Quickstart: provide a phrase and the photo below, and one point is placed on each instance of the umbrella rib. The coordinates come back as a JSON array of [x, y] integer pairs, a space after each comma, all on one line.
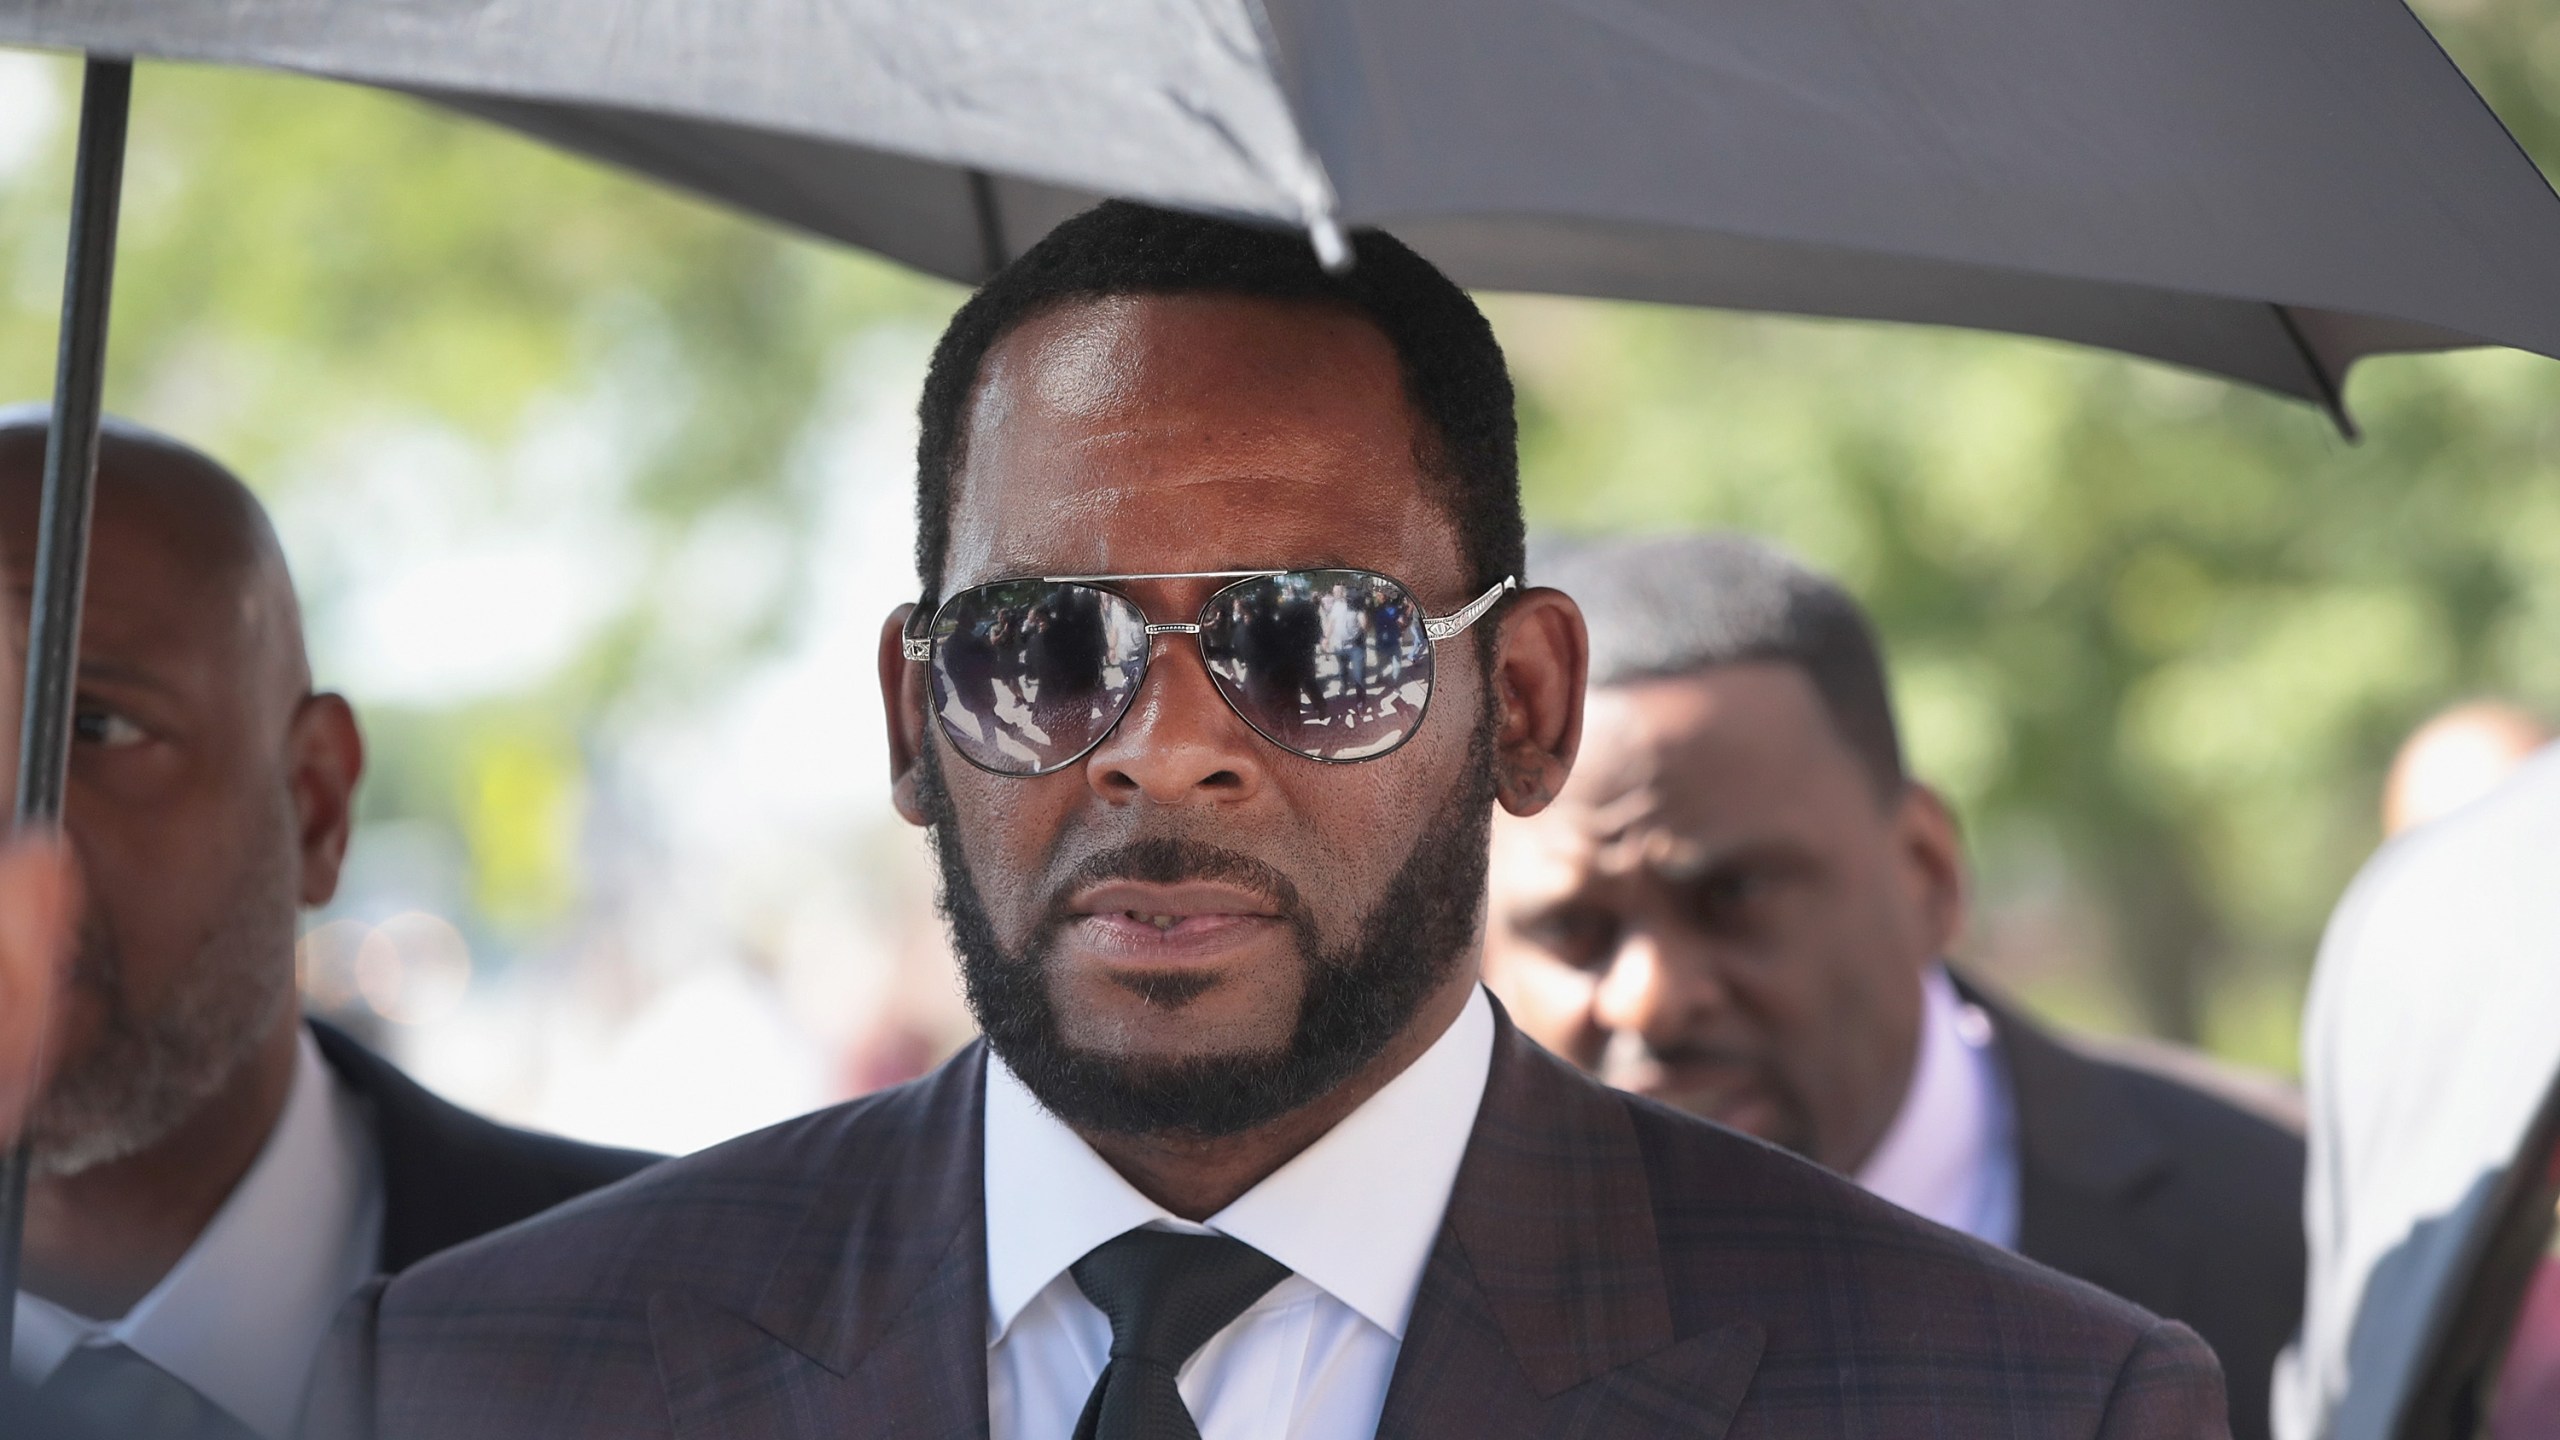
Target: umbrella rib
[[62, 545], [992, 251], [2332, 398]]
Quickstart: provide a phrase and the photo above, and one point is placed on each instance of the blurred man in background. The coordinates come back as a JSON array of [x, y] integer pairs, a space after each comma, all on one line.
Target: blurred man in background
[[2457, 756], [213, 1177], [1741, 905]]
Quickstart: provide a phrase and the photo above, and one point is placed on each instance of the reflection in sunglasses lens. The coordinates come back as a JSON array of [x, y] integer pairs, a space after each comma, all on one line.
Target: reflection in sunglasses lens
[[1332, 664], [1027, 675]]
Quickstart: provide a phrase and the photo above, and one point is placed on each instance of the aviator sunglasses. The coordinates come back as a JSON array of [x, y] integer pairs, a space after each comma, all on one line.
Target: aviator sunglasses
[[1335, 665]]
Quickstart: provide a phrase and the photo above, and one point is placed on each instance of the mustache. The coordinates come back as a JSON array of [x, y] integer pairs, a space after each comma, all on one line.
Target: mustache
[[1170, 861]]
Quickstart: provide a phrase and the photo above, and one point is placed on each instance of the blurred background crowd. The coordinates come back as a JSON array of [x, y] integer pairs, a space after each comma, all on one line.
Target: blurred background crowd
[[596, 498]]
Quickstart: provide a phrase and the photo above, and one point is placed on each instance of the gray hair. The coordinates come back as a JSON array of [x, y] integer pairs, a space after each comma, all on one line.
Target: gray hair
[[1680, 604]]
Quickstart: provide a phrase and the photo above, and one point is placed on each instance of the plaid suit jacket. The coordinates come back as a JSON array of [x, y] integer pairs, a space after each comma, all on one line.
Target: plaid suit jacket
[[1609, 1269]]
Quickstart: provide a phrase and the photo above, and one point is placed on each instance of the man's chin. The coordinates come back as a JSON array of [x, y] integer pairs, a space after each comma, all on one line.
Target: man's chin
[[80, 1126], [1197, 1095], [1178, 1016], [1750, 1111]]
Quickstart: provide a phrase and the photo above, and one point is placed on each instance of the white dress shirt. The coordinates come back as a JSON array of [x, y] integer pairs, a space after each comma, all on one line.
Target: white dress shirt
[[241, 1316], [1354, 1216], [1951, 1153]]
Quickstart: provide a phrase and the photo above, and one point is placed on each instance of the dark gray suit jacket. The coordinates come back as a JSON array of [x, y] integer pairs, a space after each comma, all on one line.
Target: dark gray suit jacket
[[2147, 1184], [449, 1175], [1609, 1269]]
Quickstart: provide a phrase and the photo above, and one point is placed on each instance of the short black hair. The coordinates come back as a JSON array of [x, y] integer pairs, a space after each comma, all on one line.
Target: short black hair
[[1677, 605], [1454, 376]]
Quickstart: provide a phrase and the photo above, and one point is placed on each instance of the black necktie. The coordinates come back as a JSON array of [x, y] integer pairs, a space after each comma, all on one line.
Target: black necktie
[[117, 1392], [1166, 1295]]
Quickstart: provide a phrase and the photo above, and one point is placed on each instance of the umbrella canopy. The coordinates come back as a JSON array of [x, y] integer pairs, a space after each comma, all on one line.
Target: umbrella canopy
[[2264, 189]]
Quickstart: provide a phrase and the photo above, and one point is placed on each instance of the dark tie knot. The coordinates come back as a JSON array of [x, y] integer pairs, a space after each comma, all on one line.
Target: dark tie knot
[[1167, 1293]]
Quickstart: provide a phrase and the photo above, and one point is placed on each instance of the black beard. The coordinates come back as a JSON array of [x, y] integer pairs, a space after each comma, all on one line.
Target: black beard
[[1357, 999]]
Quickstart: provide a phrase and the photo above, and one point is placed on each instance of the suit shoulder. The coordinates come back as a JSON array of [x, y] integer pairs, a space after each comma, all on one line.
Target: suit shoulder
[[1933, 1330], [2232, 1135], [1735, 1212], [575, 1164], [711, 1221], [450, 1175], [2197, 1092]]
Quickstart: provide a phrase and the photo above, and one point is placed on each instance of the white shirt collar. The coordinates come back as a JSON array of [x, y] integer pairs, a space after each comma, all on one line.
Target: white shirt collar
[[1950, 1153], [1356, 1213], [243, 1312]]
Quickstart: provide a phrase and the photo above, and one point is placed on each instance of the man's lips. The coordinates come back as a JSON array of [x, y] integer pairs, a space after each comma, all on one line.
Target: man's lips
[[1157, 921]]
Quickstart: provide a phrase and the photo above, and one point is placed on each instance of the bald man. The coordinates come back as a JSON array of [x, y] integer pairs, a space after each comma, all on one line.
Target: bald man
[[213, 1174], [2457, 756]]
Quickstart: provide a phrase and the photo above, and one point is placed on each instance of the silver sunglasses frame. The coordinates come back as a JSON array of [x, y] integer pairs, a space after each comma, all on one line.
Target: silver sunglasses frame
[[919, 647]]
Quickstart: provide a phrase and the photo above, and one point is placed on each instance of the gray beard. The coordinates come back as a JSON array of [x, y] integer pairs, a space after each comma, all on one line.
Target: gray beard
[[144, 1074]]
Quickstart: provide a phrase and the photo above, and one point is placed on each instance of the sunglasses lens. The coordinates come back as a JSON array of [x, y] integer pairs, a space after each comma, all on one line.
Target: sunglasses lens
[[1028, 675], [1332, 664]]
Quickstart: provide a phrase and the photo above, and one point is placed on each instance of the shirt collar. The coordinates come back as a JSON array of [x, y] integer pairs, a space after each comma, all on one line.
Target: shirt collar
[[243, 1312], [1941, 1150], [1356, 1213]]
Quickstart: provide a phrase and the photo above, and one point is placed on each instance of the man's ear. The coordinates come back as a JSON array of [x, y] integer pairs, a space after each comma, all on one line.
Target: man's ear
[[1933, 857], [326, 753], [903, 696], [1539, 665]]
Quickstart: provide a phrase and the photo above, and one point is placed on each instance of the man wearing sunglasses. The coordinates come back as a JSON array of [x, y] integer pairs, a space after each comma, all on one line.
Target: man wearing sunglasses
[[1221, 666]]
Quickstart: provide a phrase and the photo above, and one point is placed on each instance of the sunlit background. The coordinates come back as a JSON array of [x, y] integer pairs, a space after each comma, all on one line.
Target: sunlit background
[[597, 497]]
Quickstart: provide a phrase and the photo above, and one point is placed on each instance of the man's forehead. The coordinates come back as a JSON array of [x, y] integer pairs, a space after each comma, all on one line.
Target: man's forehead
[[128, 543], [1136, 356], [172, 566], [1140, 433], [1696, 755], [1629, 831], [178, 500]]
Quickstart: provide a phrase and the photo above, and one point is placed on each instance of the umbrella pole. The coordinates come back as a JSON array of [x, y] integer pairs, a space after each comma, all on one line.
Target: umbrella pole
[[62, 546]]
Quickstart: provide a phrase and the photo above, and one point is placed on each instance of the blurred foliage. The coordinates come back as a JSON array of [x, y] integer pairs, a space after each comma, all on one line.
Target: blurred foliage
[[2159, 630], [310, 275], [520, 819], [2156, 636]]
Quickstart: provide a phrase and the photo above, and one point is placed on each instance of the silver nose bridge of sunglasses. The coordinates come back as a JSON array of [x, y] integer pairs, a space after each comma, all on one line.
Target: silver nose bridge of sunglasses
[[1439, 627]]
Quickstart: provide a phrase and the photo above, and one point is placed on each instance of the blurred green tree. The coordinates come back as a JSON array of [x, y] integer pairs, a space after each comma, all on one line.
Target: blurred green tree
[[312, 274], [2154, 635], [2157, 636]]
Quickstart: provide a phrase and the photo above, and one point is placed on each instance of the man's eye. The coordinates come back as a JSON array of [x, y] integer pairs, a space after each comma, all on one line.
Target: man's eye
[[1725, 898], [105, 728], [1584, 938]]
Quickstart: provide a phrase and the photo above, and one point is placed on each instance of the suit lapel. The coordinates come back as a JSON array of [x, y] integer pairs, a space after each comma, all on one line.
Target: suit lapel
[[874, 1323], [1543, 1310], [2085, 1152]]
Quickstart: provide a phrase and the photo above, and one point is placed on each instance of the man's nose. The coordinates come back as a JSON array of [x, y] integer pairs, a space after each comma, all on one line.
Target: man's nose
[[1180, 743], [1657, 988]]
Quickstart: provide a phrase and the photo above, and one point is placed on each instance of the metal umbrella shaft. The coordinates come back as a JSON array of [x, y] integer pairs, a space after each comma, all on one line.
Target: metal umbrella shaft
[[62, 547]]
